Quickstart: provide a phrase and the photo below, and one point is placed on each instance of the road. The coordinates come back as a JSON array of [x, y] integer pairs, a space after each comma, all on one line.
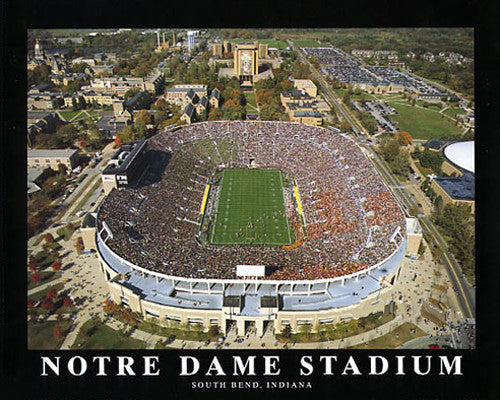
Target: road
[[85, 185], [465, 295], [330, 96]]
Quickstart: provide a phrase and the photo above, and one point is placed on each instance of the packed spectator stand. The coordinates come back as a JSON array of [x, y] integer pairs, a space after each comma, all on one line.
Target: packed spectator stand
[[350, 215]]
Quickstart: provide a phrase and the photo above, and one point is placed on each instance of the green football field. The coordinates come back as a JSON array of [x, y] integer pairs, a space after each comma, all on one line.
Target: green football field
[[251, 209]]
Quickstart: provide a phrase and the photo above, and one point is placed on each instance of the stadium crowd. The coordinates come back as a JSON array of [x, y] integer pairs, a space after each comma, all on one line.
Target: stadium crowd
[[349, 213]]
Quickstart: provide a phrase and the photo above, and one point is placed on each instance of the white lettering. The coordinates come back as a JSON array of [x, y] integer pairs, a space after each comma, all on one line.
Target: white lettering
[[102, 366], [54, 366], [328, 364], [125, 363], [238, 365], [444, 362], [150, 365], [305, 362], [351, 365], [215, 365], [416, 365], [71, 365], [184, 365], [400, 370], [270, 365], [373, 365]]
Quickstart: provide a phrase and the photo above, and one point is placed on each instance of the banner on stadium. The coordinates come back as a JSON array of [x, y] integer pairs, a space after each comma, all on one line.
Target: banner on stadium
[[250, 270]]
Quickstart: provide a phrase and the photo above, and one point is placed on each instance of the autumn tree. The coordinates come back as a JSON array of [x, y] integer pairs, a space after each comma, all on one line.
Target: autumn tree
[[57, 331], [143, 116], [31, 303], [32, 265], [118, 141], [404, 138], [67, 302], [161, 105], [35, 277], [79, 245], [52, 293], [56, 266], [47, 303], [49, 238]]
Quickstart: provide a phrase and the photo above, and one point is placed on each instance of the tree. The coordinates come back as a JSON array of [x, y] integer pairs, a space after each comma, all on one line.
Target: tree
[[390, 149], [287, 332], [62, 169], [130, 93], [67, 134], [401, 164], [306, 329], [404, 138], [118, 141], [143, 116], [56, 266], [52, 293], [161, 105], [49, 238], [32, 265], [214, 331], [47, 303], [67, 302], [82, 104], [431, 159], [31, 303], [57, 332], [79, 245]]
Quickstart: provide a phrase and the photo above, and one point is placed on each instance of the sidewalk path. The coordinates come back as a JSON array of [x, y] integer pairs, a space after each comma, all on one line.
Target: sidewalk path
[[44, 286]]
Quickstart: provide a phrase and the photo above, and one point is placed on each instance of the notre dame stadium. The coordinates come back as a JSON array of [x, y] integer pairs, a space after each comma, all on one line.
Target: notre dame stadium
[[249, 224]]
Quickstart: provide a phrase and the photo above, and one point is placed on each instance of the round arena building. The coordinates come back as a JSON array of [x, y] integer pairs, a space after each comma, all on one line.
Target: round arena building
[[250, 224]]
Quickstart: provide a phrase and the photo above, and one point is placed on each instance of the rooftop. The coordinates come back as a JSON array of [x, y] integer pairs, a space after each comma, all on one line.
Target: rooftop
[[46, 153], [462, 188], [461, 154]]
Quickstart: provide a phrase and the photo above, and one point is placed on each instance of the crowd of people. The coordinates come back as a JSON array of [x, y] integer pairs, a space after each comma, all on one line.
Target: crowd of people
[[349, 213]]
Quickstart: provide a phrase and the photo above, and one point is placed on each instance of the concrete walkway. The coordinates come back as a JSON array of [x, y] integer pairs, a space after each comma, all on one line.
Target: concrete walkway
[[44, 286]]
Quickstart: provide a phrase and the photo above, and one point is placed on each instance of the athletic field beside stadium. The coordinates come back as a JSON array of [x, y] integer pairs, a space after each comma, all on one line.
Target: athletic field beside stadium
[[251, 209]]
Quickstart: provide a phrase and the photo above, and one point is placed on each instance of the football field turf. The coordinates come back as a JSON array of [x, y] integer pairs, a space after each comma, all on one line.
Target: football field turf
[[251, 209]]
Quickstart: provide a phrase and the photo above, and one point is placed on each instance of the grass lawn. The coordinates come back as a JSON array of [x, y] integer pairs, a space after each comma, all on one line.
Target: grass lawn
[[45, 277], [367, 96], [42, 293], [430, 106], [95, 335], [41, 335], [452, 112], [68, 114], [251, 209], [308, 43], [66, 231], [279, 44], [44, 260], [394, 339], [38, 240], [251, 106], [421, 123]]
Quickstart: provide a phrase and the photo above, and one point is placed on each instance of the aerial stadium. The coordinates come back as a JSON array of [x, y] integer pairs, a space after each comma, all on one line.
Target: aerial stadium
[[249, 224]]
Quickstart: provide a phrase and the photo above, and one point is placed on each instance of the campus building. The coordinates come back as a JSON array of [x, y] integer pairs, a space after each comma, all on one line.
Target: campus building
[[246, 62], [53, 157], [126, 166]]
